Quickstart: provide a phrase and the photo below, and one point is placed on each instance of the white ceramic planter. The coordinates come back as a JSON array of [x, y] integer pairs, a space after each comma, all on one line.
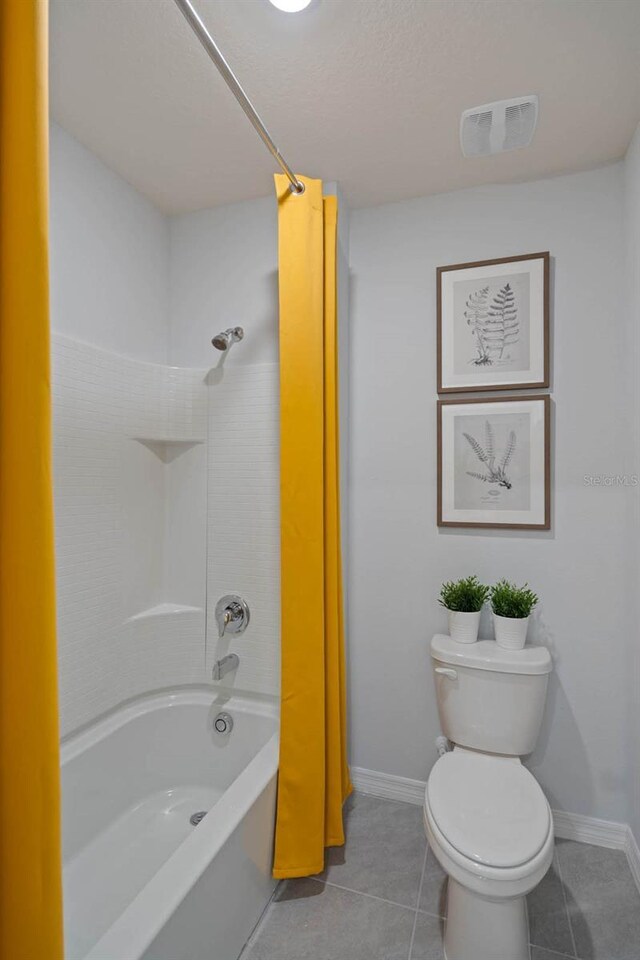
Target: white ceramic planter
[[510, 632], [463, 627]]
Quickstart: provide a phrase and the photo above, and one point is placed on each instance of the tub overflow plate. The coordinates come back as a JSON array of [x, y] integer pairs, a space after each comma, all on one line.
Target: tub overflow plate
[[223, 723], [196, 818]]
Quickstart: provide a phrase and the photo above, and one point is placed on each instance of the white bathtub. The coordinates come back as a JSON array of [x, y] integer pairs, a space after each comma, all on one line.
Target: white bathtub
[[139, 880]]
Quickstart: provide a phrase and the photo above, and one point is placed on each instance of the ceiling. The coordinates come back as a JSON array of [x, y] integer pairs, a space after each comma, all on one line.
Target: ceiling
[[365, 92]]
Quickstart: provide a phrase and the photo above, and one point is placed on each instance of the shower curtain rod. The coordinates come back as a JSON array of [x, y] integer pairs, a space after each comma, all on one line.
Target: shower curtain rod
[[233, 83]]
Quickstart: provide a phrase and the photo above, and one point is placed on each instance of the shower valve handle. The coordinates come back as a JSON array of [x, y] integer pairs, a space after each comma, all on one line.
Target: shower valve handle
[[226, 620], [232, 615]]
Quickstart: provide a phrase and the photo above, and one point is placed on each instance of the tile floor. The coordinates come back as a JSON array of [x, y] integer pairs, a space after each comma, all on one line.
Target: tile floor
[[382, 898]]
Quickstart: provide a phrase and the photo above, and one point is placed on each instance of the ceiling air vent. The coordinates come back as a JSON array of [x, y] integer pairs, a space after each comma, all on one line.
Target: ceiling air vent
[[500, 126]]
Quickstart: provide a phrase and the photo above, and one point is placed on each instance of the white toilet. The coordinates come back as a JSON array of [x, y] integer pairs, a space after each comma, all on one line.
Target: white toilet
[[487, 820]]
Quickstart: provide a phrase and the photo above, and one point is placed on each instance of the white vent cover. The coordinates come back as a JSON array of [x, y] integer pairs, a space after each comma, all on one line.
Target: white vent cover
[[496, 127]]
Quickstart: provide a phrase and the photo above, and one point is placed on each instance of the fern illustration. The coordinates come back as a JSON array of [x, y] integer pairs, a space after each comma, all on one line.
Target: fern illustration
[[495, 473], [511, 446], [477, 449], [501, 327], [488, 439], [479, 476], [476, 316]]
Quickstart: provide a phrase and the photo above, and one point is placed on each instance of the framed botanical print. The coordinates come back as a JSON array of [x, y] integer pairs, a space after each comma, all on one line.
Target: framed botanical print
[[493, 324], [494, 463]]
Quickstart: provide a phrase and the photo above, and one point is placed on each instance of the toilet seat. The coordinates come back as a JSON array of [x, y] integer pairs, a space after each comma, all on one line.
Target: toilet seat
[[490, 809]]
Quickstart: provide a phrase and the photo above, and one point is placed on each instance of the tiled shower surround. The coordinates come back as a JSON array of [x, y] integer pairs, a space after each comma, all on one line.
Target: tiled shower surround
[[244, 518], [146, 458]]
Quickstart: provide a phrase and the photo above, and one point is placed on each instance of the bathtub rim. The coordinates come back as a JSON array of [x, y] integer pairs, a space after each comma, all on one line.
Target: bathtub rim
[[89, 735], [143, 919]]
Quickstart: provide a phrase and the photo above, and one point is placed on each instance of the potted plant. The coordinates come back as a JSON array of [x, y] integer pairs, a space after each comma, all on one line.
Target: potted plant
[[463, 601], [511, 607]]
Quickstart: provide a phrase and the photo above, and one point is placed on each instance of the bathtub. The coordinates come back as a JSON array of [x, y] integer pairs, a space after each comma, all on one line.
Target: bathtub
[[140, 881]]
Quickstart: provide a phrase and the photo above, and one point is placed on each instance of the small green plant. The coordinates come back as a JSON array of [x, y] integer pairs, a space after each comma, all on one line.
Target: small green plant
[[507, 600], [463, 596]]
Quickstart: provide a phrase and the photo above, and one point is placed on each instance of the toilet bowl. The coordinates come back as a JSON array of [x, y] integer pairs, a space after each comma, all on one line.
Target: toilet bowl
[[490, 827], [487, 820]]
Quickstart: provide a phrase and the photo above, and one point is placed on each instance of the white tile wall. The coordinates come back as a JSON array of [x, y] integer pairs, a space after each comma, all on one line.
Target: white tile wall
[[110, 527], [165, 402], [244, 518], [127, 539]]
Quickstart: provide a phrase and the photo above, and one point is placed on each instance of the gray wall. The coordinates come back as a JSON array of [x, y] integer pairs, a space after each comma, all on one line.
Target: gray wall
[[109, 256], [224, 273], [583, 568], [632, 231]]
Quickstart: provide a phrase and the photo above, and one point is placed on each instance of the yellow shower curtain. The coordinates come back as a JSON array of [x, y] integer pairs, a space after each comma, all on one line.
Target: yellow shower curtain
[[313, 779], [30, 879]]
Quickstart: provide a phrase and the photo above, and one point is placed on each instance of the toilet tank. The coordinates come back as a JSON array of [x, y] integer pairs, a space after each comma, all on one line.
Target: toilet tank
[[489, 698]]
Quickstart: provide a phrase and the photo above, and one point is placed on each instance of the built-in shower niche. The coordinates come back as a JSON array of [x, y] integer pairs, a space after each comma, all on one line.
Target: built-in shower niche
[[167, 449]]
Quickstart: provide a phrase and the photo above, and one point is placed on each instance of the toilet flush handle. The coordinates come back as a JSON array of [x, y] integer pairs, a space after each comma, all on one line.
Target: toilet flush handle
[[447, 672]]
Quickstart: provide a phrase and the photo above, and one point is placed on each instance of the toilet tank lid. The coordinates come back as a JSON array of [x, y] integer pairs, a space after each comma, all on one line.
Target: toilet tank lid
[[487, 655]]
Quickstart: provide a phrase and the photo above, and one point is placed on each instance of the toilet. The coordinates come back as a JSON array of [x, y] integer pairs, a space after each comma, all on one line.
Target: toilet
[[486, 818]]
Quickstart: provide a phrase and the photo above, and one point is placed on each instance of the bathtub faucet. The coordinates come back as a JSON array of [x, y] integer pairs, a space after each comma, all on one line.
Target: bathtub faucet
[[228, 663]]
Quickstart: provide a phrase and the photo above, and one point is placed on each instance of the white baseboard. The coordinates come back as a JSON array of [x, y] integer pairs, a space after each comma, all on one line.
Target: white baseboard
[[568, 826], [601, 833], [632, 851], [387, 786]]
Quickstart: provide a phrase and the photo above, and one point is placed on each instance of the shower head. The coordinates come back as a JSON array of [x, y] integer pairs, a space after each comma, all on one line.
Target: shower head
[[223, 341]]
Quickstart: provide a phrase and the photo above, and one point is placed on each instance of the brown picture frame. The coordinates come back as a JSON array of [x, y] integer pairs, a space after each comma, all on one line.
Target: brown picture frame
[[546, 400], [481, 387]]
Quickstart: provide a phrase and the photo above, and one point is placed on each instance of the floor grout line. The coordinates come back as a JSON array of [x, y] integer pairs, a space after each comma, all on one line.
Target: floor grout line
[[566, 904], [260, 922], [564, 956], [362, 893], [415, 919]]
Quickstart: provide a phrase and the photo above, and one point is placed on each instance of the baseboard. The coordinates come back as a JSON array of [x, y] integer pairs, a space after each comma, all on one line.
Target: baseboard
[[568, 826], [388, 786], [633, 856], [601, 833]]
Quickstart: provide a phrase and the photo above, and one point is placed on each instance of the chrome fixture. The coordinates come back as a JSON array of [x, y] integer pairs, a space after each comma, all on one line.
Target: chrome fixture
[[223, 341], [232, 615], [197, 818], [233, 83], [222, 667], [223, 723]]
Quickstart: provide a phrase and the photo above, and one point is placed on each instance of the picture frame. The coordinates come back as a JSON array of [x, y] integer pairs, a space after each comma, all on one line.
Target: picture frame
[[493, 324], [494, 462]]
